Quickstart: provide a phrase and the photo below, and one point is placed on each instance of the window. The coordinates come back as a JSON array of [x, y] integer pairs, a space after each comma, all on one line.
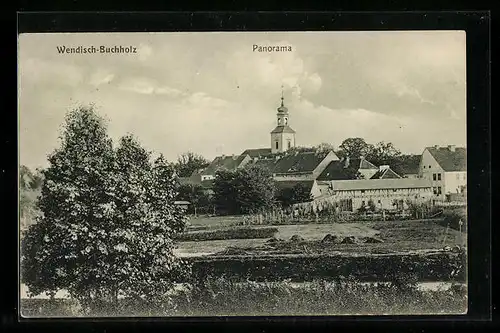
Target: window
[[439, 190], [434, 190], [289, 144], [363, 191], [439, 176], [276, 144], [379, 201], [429, 166], [424, 166], [433, 176]]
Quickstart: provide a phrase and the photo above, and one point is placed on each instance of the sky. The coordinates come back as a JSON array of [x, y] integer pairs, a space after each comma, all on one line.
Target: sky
[[211, 94]]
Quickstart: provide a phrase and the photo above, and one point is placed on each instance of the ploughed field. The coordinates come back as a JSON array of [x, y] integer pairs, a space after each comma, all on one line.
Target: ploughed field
[[219, 236]]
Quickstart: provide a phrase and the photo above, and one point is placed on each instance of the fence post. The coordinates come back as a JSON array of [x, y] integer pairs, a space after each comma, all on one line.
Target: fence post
[[445, 234]]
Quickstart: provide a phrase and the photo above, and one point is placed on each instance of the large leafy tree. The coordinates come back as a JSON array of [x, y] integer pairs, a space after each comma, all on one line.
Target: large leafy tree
[[244, 191], [189, 162], [288, 196], [354, 148], [383, 152], [30, 184], [108, 217]]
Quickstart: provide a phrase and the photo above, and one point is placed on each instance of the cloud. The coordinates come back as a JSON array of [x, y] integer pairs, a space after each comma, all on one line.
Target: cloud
[[266, 72], [101, 77], [211, 94], [147, 86]]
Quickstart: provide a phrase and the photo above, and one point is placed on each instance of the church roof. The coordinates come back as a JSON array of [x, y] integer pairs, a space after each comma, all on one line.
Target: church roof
[[283, 129], [450, 160], [257, 152]]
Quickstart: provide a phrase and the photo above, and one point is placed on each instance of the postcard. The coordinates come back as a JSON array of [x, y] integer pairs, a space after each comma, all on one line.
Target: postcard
[[182, 174]]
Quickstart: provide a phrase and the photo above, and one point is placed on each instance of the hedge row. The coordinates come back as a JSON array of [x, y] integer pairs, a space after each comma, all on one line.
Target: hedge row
[[233, 233], [440, 266], [219, 296]]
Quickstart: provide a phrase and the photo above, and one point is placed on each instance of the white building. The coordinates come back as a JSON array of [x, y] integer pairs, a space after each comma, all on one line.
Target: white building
[[385, 194], [446, 168]]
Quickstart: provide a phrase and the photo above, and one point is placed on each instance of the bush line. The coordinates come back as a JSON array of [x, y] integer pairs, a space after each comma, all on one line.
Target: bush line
[[234, 233]]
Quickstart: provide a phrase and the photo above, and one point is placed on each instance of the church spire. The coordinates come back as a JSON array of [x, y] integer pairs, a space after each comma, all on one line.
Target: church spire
[[282, 95]]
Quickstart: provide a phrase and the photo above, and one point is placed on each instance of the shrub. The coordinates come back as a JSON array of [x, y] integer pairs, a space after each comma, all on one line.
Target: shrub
[[234, 233], [441, 266]]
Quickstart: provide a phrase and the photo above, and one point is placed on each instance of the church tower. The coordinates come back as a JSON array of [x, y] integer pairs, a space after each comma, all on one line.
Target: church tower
[[283, 136]]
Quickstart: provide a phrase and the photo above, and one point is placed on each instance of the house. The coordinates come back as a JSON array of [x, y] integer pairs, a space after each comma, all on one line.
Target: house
[[304, 165], [385, 172], [446, 168], [310, 185], [224, 162], [384, 194], [347, 168]]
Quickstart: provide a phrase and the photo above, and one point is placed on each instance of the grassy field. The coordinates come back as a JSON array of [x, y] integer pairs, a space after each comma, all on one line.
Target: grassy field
[[397, 236]]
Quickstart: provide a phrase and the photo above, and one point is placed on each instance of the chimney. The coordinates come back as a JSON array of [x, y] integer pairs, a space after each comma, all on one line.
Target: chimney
[[451, 148], [346, 163], [383, 167], [436, 146]]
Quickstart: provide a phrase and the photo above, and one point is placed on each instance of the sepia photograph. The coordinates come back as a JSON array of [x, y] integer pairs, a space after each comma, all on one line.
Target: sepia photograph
[[188, 174]]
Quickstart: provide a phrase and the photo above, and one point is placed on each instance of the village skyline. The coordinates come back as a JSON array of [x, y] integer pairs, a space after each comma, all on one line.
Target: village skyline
[[211, 94]]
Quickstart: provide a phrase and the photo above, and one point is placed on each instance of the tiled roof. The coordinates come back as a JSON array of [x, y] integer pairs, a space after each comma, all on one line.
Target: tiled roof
[[297, 163], [257, 152], [226, 162], [267, 163], [376, 184], [450, 160], [385, 174], [409, 164], [300, 162], [365, 164], [336, 169], [283, 129]]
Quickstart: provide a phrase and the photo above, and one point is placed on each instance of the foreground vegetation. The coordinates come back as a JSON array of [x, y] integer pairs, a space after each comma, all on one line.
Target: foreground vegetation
[[432, 266], [219, 296]]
